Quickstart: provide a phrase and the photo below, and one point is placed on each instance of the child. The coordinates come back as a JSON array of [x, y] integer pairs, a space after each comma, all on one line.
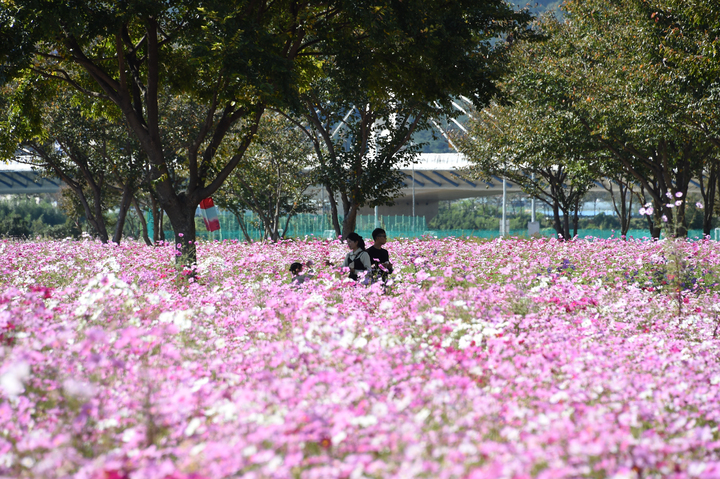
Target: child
[[295, 270]]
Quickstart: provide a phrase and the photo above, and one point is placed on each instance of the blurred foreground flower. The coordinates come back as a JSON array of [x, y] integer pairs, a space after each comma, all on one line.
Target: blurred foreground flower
[[13, 379]]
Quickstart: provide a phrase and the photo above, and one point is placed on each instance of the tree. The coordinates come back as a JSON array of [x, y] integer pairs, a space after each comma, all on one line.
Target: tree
[[622, 203], [361, 120], [534, 149], [645, 124], [233, 59], [32, 216], [476, 214], [688, 41], [272, 178], [359, 149], [93, 156], [599, 80]]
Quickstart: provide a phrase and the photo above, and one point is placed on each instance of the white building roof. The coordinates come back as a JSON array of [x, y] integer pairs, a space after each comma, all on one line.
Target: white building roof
[[440, 161], [14, 166]]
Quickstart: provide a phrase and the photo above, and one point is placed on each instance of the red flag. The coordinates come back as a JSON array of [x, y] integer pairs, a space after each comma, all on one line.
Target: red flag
[[210, 214]]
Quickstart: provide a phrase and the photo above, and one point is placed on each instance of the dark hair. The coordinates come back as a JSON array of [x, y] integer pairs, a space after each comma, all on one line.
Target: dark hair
[[356, 237], [377, 232], [295, 268]]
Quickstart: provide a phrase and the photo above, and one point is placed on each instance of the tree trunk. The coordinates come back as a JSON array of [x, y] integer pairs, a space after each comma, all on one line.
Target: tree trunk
[[624, 211], [157, 218], [98, 217], [350, 220], [182, 219], [654, 231], [656, 223], [680, 230], [557, 225], [575, 216], [241, 222], [653, 225], [287, 224], [708, 195], [94, 219], [626, 201], [161, 224], [125, 202], [143, 223], [97, 222], [334, 212]]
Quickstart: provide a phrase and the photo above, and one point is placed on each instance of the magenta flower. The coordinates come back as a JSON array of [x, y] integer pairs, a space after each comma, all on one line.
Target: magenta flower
[[515, 358]]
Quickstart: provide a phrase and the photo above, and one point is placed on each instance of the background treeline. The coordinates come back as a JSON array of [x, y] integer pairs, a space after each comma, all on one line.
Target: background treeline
[[53, 216], [28, 217], [143, 107], [620, 93], [479, 214]]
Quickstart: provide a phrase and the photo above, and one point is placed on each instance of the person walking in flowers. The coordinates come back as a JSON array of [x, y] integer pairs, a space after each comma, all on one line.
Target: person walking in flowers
[[358, 258], [380, 258]]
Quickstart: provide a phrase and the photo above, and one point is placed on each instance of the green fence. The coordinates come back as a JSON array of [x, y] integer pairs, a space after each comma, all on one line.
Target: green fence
[[397, 226], [550, 233], [311, 225]]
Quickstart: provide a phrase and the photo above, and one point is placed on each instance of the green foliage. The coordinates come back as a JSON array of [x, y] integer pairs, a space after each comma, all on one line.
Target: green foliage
[[600, 97], [272, 179], [476, 215], [533, 149], [28, 218], [380, 103], [368, 149], [91, 151], [233, 60]]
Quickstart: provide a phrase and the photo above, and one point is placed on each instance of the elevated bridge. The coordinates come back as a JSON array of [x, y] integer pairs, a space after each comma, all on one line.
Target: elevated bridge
[[20, 179], [435, 177]]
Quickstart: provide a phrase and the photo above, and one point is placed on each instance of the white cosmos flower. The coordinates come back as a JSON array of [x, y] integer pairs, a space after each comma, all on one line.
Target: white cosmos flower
[[13, 379]]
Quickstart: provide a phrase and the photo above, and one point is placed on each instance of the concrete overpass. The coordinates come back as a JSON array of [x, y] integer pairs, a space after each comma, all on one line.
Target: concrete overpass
[[434, 178], [20, 179]]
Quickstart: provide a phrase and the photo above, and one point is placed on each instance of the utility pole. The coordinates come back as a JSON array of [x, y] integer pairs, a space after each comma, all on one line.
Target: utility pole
[[413, 198], [503, 231]]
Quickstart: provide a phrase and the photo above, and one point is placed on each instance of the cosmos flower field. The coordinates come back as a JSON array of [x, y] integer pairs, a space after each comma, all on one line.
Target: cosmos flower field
[[507, 358]]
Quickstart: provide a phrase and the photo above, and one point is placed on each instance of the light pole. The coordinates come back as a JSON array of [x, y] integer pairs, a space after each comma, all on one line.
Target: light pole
[[503, 233], [532, 204], [413, 198]]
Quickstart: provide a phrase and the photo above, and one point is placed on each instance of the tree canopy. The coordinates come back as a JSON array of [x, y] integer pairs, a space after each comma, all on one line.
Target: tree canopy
[[231, 60], [602, 96]]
